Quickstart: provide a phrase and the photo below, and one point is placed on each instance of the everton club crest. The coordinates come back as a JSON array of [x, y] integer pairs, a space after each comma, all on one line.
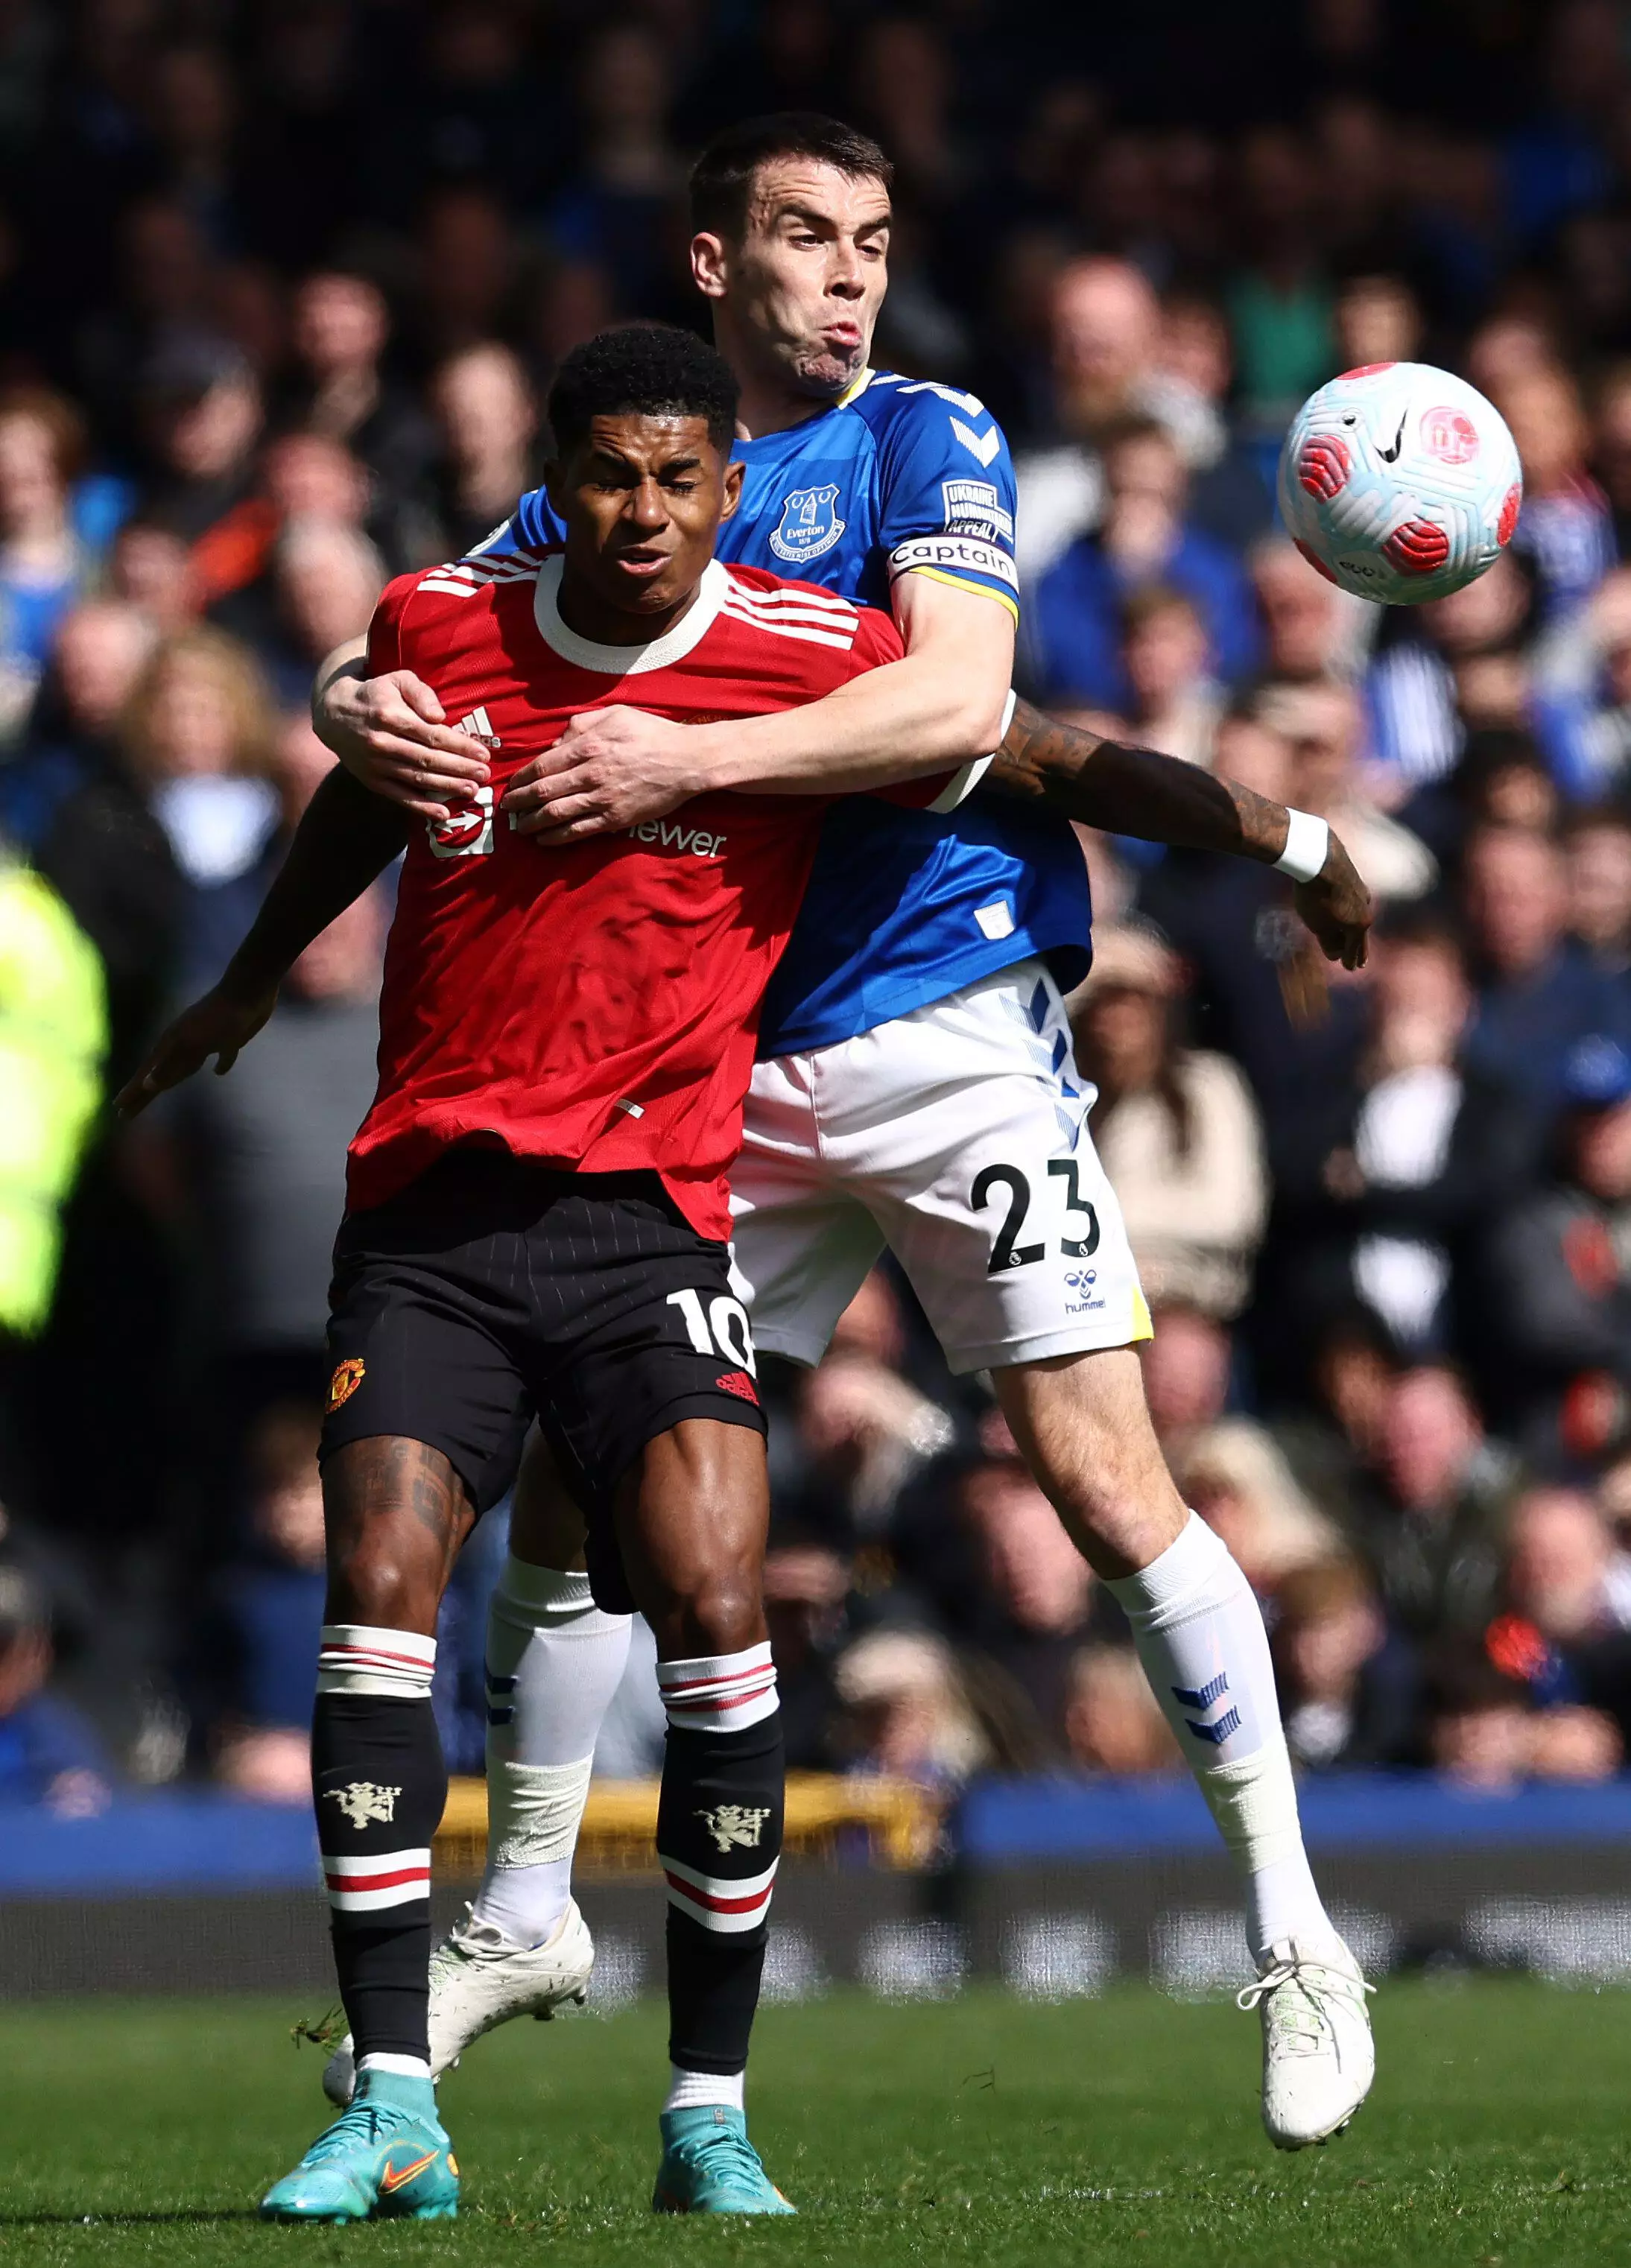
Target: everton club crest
[[809, 525]]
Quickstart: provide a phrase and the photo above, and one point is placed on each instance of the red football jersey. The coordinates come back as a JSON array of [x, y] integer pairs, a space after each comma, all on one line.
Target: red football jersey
[[594, 1006]]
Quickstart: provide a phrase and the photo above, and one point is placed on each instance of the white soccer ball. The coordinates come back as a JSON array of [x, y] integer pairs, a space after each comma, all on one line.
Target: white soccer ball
[[1399, 481]]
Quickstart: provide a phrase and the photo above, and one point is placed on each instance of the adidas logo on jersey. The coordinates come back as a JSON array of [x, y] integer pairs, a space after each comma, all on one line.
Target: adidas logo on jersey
[[467, 831]]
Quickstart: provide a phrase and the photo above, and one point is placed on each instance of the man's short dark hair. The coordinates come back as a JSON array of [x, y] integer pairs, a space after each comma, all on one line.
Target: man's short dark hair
[[643, 370], [721, 183]]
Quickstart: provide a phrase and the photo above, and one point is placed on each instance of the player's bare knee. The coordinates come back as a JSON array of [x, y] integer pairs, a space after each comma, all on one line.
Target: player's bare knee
[[718, 1611]]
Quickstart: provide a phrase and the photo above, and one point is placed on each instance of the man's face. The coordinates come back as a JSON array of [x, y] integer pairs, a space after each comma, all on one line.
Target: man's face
[[809, 275], [642, 498]]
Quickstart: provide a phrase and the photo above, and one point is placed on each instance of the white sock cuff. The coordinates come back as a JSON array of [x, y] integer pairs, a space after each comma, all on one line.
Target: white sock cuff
[[1195, 1573], [720, 1692], [403, 2066], [539, 1591], [704, 2090], [359, 1658], [534, 1812]]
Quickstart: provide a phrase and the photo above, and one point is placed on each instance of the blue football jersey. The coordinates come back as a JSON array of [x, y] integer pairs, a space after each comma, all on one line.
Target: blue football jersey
[[903, 907]]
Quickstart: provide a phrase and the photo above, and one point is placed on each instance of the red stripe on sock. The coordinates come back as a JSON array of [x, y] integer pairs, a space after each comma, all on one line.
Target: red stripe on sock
[[379, 1882], [713, 1905]]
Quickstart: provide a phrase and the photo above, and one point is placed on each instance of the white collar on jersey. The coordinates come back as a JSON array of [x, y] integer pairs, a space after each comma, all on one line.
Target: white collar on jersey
[[627, 660]]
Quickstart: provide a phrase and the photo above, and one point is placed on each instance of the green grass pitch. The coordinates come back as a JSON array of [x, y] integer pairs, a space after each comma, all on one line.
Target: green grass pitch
[[1117, 2131]]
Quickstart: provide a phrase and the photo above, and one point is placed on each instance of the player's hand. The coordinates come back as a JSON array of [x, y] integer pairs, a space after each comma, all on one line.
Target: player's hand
[[611, 769], [219, 1025], [1336, 907], [392, 733]]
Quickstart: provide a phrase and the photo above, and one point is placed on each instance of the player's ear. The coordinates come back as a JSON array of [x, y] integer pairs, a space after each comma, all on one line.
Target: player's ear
[[709, 262], [734, 475]]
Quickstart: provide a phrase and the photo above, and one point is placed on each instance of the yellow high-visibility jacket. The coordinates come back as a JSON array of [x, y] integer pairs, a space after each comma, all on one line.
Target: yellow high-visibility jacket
[[53, 1038]]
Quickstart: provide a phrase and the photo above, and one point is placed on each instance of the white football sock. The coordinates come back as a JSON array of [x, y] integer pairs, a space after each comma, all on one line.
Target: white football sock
[[1199, 1635], [691, 2090], [554, 1661]]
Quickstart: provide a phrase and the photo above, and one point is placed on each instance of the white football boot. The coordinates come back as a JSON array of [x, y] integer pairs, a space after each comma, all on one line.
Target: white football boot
[[1318, 2057], [479, 1979]]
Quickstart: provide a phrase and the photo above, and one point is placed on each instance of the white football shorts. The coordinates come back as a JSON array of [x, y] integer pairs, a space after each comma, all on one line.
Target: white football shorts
[[957, 1137]]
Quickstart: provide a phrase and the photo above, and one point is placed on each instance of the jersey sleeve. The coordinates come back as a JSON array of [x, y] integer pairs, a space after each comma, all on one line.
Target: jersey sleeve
[[946, 508], [876, 642], [385, 630], [533, 525]]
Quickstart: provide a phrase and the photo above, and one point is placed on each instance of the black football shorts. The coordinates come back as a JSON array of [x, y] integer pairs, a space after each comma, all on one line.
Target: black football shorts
[[491, 1291]]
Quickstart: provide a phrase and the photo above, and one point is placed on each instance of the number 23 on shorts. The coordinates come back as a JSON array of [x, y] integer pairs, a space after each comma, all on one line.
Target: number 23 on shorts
[[1080, 1236]]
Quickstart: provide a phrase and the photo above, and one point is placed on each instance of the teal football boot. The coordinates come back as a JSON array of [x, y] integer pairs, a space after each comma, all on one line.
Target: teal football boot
[[386, 2158], [710, 2166]]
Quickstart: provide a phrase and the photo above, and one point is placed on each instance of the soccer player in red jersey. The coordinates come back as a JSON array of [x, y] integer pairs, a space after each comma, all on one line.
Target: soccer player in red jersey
[[537, 1225]]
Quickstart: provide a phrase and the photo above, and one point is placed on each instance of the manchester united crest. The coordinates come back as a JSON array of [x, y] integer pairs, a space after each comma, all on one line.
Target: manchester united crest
[[348, 1376]]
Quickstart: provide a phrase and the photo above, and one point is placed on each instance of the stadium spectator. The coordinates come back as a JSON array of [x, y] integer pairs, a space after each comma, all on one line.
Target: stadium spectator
[[1173, 703], [907, 1713], [1176, 1128], [1565, 525], [1187, 1374], [256, 1162], [1029, 1604], [1419, 1155], [1143, 539], [1348, 1690], [1559, 1342], [1539, 996], [1228, 497], [201, 417], [1309, 626], [1233, 1474], [1324, 725], [340, 388], [43, 566], [271, 1604], [48, 1754], [1104, 324], [486, 416], [1430, 1526], [1597, 849], [1112, 1721]]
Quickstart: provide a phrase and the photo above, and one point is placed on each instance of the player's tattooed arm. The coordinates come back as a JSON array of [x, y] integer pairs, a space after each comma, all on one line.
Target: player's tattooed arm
[[1128, 790], [344, 842]]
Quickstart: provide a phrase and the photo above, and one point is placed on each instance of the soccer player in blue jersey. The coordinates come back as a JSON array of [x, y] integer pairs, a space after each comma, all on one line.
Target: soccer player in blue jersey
[[916, 1086]]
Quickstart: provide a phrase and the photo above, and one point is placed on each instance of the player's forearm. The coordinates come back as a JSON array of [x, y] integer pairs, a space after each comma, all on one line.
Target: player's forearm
[[349, 662], [344, 842], [896, 723], [1129, 791]]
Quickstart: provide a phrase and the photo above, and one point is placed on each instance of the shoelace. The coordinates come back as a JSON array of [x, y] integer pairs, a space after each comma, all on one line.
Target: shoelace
[[363, 2126], [1298, 2014], [729, 2156], [469, 1940]]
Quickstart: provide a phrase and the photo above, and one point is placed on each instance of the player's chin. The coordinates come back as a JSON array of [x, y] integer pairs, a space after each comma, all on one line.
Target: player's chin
[[825, 372]]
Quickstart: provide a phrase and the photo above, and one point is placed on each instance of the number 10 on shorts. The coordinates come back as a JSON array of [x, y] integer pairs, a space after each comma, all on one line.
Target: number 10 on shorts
[[721, 1328]]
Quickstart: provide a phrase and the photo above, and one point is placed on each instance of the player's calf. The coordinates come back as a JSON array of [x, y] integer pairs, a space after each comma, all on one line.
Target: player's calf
[[394, 1511], [692, 1534]]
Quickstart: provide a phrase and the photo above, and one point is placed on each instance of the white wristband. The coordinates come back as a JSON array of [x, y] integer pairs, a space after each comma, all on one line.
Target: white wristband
[[1307, 841]]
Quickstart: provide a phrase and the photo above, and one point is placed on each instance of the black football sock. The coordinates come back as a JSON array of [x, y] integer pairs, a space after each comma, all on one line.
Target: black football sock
[[380, 1785], [719, 1842]]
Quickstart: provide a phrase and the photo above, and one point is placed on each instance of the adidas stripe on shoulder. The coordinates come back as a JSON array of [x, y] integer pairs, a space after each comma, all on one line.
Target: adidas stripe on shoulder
[[817, 617], [462, 578]]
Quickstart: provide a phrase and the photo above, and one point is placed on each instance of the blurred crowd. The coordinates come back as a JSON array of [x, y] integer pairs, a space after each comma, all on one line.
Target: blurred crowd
[[282, 286]]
